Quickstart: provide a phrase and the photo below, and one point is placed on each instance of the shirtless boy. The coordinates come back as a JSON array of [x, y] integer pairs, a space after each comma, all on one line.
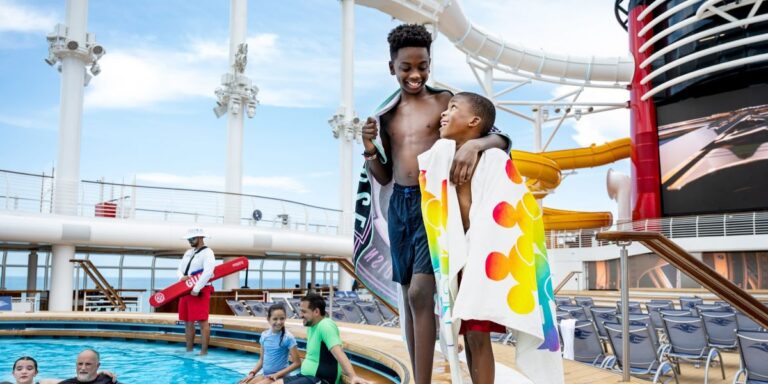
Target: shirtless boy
[[407, 130]]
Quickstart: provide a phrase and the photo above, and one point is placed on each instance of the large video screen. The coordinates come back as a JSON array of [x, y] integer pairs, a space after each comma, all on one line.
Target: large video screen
[[713, 151]]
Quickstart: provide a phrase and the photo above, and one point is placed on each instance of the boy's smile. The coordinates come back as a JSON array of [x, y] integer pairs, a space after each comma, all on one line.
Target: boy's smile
[[411, 67]]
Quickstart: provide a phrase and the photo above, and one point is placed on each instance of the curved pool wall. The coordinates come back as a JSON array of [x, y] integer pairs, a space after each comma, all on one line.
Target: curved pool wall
[[240, 337]]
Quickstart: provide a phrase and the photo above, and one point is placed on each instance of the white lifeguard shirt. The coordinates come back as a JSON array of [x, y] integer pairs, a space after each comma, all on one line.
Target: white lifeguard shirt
[[203, 260]]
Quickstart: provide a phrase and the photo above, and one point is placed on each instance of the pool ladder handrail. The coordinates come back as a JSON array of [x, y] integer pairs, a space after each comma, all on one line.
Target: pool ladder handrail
[[101, 283]]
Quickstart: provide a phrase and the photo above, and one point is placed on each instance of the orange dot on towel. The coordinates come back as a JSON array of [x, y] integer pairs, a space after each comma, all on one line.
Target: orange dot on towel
[[496, 266], [504, 214]]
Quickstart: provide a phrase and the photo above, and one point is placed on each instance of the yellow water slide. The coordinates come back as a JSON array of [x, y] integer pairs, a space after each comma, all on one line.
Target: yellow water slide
[[543, 171]]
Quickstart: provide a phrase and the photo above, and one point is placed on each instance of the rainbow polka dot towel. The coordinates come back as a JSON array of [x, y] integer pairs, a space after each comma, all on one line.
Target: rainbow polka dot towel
[[506, 277]]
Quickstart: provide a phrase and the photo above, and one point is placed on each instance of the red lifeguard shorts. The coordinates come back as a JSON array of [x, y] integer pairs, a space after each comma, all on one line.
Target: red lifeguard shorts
[[196, 308]]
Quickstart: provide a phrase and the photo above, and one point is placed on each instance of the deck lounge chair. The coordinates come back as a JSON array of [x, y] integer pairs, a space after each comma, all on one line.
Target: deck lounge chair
[[238, 308], [587, 347], [600, 316], [371, 312], [576, 311], [634, 307], [690, 303], [258, 308], [391, 317], [721, 329], [687, 338], [353, 313], [753, 351], [745, 323], [563, 300], [643, 360]]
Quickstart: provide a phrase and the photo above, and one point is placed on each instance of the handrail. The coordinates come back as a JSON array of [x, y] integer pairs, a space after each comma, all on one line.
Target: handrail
[[346, 265], [729, 224], [101, 283], [697, 270], [565, 280]]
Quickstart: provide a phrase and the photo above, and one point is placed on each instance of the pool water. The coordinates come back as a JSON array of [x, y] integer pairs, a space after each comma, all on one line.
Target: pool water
[[133, 361]]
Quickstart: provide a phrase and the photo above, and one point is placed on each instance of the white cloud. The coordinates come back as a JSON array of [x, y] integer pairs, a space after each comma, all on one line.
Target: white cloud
[[283, 183], [141, 78], [16, 17], [22, 122], [287, 73], [600, 127]]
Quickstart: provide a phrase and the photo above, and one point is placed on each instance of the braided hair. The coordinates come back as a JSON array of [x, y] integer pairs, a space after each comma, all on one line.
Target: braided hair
[[277, 307]]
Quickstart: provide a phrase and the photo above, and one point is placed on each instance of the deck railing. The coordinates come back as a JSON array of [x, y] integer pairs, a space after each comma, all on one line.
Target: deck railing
[[695, 269], [686, 263], [29, 192], [729, 224]]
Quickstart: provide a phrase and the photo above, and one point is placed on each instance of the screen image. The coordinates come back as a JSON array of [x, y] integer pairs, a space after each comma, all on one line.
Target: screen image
[[645, 271], [713, 154]]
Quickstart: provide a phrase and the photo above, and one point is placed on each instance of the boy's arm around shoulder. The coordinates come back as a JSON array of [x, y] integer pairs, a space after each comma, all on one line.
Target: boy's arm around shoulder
[[467, 155]]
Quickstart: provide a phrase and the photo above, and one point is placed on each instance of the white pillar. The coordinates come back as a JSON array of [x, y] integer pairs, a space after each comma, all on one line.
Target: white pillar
[[60, 297], [32, 271], [312, 276], [238, 21], [303, 273], [68, 162], [538, 121], [537, 125], [345, 140], [619, 187]]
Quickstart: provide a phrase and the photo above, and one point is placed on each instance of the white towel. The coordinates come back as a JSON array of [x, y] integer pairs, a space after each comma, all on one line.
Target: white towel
[[567, 329], [506, 276]]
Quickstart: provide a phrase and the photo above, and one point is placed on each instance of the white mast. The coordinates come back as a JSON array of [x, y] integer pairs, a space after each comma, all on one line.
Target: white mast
[[346, 126], [234, 98], [74, 48]]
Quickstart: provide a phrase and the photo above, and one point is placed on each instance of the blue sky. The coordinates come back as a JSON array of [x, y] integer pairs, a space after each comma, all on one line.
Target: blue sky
[[148, 114]]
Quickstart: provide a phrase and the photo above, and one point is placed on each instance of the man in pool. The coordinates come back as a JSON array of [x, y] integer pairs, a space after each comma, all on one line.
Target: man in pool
[[87, 370]]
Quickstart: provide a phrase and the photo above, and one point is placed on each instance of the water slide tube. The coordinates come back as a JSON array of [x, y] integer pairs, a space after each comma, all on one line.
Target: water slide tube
[[543, 173], [450, 20]]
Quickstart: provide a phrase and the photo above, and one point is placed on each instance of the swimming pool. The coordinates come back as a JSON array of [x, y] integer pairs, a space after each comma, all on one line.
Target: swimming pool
[[133, 361], [154, 338]]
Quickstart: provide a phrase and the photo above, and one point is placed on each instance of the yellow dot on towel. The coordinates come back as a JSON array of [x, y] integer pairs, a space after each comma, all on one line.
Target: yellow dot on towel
[[520, 299]]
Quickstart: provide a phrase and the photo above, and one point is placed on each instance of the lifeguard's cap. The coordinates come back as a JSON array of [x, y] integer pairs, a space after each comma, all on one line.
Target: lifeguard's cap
[[194, 232]]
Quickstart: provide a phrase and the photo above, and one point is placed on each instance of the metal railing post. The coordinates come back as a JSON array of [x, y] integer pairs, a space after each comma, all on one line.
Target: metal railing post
[[624, 311], [330, 295]]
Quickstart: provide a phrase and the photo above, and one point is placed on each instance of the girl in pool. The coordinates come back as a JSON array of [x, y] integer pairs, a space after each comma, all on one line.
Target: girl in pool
[[276, 345], [25, 370]]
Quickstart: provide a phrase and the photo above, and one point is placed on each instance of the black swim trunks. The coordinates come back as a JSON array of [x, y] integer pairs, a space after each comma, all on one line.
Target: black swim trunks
[[407, 237]]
